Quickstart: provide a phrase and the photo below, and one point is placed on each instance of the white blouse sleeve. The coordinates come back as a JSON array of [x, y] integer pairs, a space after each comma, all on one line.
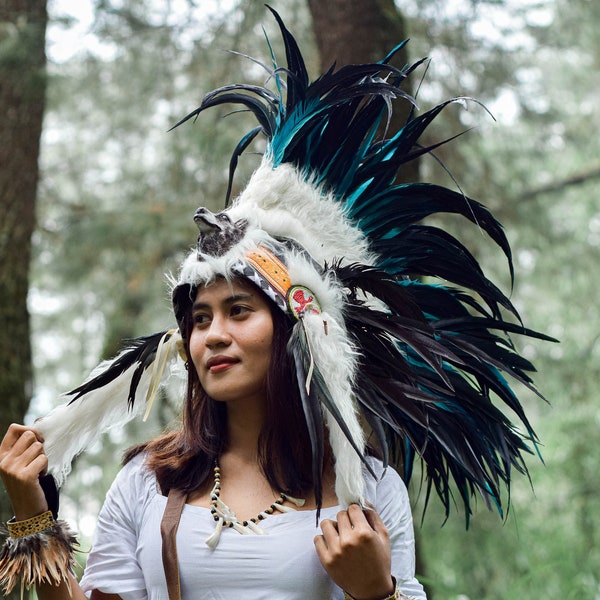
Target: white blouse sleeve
[[112, 566], [393, 506]]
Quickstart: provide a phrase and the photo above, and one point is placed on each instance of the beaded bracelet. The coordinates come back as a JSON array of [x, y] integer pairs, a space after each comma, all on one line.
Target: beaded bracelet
[[395, 595], [39, 550]]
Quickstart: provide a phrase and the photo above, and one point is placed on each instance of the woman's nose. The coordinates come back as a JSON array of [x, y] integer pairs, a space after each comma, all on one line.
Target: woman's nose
[[217, 333]]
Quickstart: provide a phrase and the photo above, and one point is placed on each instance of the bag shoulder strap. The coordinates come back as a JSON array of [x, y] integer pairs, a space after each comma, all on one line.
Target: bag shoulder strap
[[168, 532]]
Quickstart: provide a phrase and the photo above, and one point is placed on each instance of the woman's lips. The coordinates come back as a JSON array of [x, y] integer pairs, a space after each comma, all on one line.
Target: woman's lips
[[220, 363]]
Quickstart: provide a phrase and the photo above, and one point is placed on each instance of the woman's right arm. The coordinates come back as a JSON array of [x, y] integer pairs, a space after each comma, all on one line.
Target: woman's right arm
[[22, 461]]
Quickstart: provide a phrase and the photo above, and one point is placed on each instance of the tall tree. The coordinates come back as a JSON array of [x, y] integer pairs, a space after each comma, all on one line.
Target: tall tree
[[22, 94]]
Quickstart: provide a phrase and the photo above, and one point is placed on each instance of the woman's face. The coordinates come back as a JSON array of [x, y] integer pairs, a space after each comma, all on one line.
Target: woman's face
[[230, 343]]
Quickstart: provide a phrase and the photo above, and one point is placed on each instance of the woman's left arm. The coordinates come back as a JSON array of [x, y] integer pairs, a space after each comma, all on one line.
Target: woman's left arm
[[355, 551]]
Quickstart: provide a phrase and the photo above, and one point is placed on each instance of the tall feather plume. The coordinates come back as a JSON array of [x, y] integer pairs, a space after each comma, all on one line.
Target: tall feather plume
[[435, 360]]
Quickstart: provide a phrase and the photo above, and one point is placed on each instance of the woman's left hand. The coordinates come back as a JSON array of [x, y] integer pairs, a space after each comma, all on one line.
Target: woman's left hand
[[355, 552]]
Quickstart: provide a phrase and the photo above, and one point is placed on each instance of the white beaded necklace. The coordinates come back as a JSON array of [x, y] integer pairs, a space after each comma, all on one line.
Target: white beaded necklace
[[225, 517]]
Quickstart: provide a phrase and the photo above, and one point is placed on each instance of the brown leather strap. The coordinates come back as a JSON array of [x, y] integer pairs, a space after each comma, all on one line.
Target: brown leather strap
[[168, 532]]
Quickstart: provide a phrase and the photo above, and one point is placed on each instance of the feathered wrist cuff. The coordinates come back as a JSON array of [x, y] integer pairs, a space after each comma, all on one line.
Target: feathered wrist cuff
[[39, 550]]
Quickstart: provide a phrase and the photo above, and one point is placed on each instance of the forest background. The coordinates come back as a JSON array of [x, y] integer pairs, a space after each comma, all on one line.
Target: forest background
[[111, 213]]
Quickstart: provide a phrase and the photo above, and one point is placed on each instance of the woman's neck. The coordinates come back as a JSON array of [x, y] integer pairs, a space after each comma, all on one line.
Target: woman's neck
[[245, 421]]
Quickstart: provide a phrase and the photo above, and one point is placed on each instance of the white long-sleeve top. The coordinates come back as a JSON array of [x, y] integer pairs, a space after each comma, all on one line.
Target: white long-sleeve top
[[283, 565]]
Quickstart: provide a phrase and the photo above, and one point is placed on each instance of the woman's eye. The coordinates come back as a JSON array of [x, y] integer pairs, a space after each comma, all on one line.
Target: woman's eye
[[238, 310], [201, 319]]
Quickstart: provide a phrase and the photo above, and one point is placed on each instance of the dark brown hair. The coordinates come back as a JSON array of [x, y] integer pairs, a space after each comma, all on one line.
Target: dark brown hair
[[184, 458]]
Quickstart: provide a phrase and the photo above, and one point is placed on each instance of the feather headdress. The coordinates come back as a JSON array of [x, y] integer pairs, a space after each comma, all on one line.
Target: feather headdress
[[323, 229]]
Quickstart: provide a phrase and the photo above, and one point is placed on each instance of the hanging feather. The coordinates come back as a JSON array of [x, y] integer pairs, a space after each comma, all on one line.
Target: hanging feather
[[312, 412], [114, 393]]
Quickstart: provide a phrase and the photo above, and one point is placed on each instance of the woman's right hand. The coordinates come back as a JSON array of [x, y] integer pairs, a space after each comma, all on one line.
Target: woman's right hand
[[22, 461]]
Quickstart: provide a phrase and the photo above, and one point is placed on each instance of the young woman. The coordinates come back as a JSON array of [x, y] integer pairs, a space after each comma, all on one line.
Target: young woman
[[242, 414], [313, 345]]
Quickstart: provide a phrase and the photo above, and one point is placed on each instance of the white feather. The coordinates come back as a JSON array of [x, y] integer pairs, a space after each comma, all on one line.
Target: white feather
[[72, 427]]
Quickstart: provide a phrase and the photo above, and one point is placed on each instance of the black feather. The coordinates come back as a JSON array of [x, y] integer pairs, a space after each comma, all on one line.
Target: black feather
[[139, 352], [312, 412], [450, 422]]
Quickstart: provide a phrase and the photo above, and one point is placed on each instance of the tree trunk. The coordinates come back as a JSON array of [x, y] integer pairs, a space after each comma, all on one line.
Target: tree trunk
[[22, 94], [359, 31]]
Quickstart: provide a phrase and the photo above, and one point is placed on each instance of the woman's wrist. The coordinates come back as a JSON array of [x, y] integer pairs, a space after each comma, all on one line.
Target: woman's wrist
[[30, 505], [395, 595], [22, 514]]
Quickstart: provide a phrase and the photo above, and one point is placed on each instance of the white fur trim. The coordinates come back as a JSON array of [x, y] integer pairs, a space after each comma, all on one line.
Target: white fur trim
[[336, 359], [282, 202], [301, 270], [202, 272]]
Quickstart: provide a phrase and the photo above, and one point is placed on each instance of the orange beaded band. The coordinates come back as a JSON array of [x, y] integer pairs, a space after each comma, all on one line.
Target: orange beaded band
[[19, 529], [271, 268]]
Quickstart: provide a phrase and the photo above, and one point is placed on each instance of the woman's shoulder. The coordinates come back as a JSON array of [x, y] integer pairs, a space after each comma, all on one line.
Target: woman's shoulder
[[136, 477], [386, 487]]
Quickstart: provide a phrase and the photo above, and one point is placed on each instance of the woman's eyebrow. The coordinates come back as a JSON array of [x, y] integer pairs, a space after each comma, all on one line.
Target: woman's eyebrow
[[229, 300]]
